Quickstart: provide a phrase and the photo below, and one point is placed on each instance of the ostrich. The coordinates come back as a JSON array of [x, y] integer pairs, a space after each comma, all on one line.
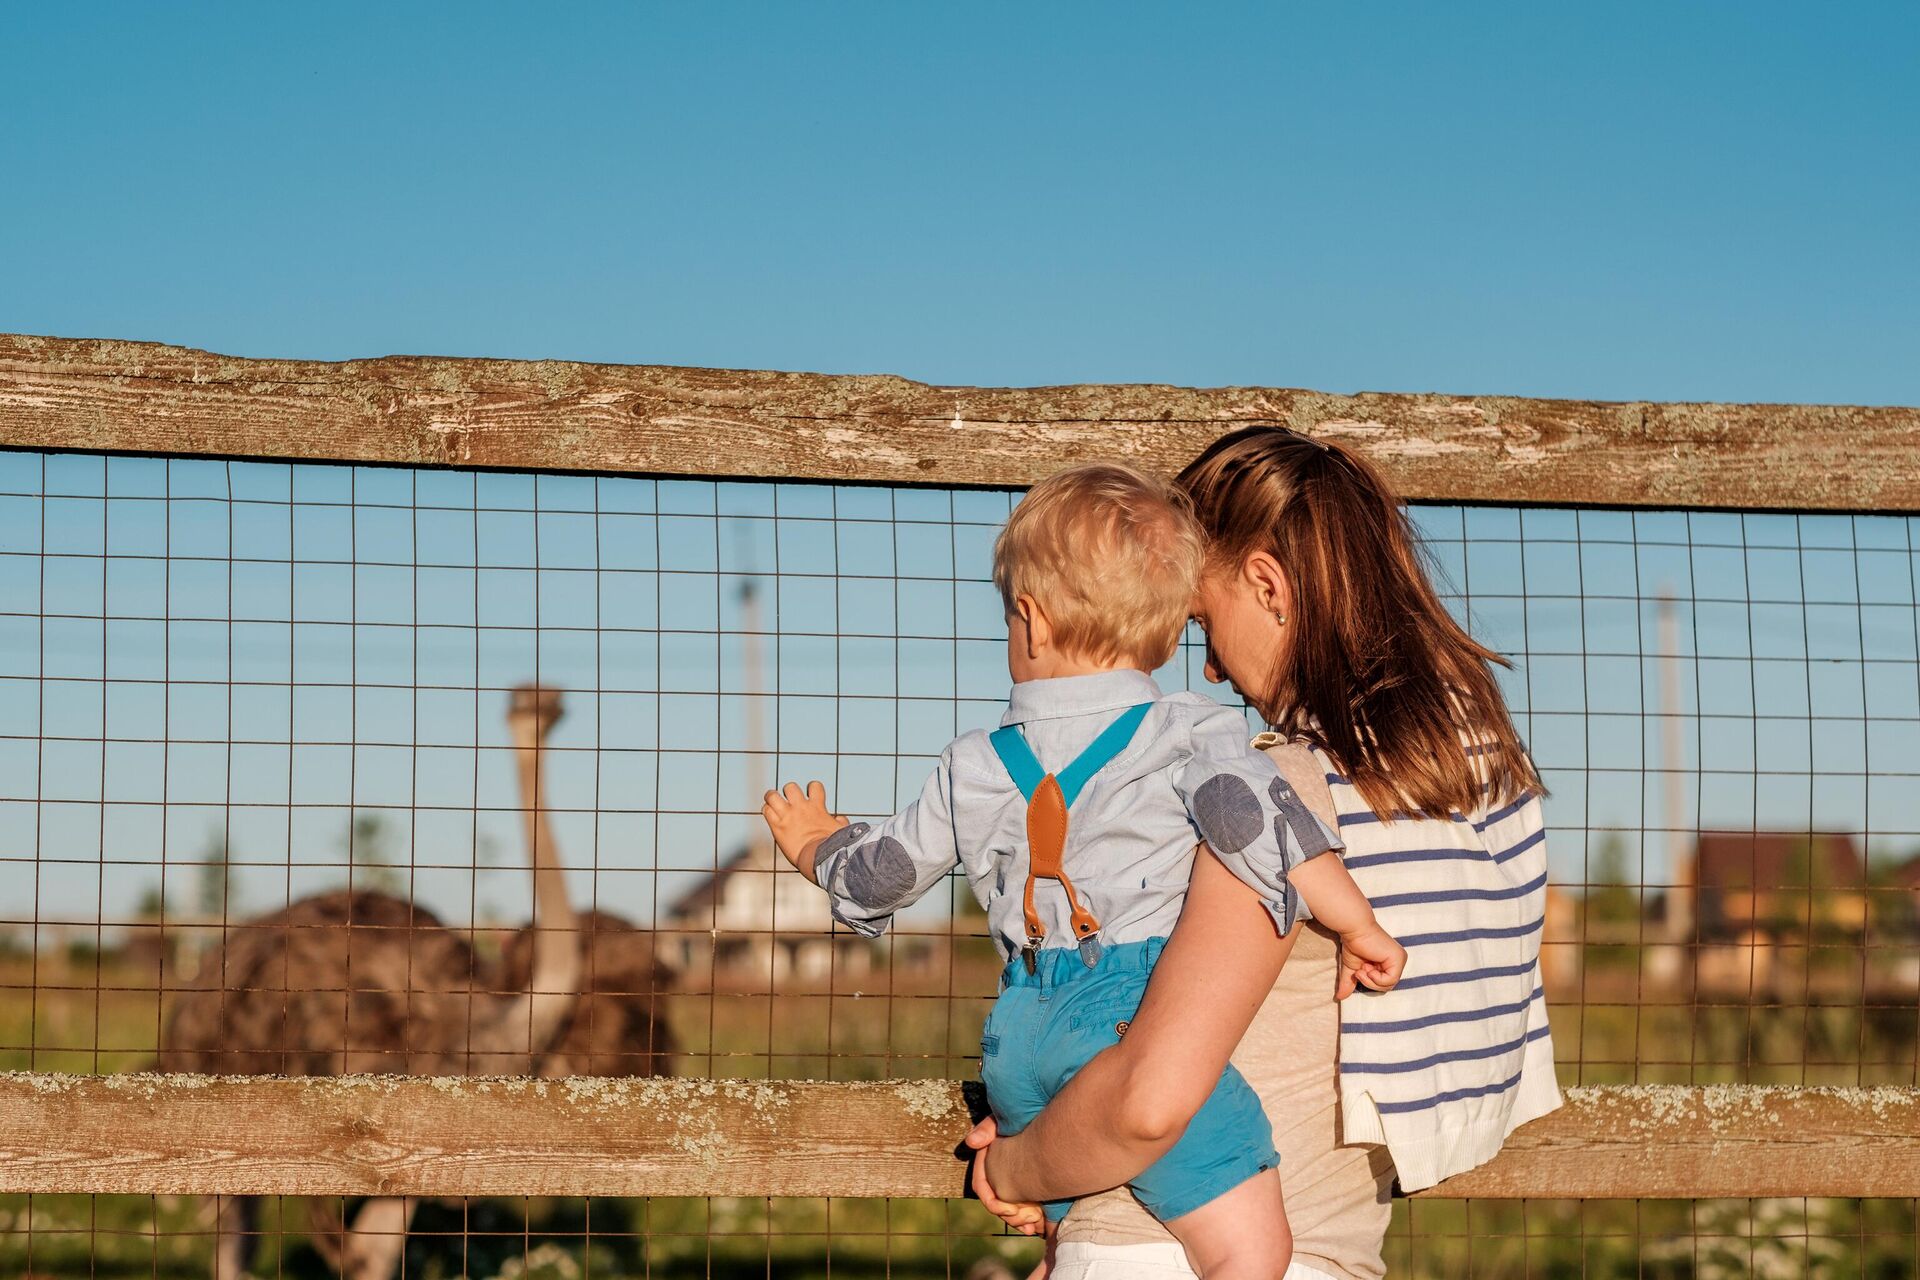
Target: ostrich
[[358, 981]]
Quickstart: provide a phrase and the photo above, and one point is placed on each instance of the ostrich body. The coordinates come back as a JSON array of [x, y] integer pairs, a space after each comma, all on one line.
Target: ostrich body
[[359, 981]]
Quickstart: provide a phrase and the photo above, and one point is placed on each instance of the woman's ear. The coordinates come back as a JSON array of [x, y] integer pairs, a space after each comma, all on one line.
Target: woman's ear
[[1272, 589], [1039, 629]]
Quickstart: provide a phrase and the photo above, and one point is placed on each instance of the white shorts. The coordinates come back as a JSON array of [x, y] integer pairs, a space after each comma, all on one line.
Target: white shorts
[[1078, 1260]]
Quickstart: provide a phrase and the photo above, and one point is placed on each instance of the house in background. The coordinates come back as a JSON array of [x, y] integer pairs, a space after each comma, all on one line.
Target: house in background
[[754, 922], [1562, 946], [1770, 912]]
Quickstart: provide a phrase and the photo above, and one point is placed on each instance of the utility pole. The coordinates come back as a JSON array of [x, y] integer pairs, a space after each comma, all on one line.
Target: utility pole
[[750, 683], [1680, 870]]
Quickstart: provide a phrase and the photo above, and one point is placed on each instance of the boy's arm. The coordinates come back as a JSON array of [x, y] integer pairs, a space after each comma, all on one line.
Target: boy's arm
[[869, 870], [1251, 817], [1367, 953]]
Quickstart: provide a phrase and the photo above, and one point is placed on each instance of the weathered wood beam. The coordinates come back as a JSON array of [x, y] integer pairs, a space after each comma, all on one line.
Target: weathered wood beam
[[1680, 1142], [363, 1135], [543, 414]]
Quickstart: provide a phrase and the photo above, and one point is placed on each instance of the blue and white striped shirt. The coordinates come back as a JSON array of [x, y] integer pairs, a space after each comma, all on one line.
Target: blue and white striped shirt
[[1443, 1067]]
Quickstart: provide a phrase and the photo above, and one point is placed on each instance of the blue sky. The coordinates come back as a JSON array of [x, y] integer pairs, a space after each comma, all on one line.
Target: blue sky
[[1710, 201]]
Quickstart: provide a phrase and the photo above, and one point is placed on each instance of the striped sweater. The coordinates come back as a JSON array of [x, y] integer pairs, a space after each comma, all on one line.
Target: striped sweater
[[1443, 1067]]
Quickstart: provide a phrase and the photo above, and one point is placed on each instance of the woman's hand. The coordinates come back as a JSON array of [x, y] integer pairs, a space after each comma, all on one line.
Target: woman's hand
[[1129, 1105], [1023, 1216], [1370, 956]]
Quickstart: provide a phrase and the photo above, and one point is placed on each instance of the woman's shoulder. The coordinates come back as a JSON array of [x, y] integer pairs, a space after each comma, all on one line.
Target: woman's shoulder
[[1304, 771]]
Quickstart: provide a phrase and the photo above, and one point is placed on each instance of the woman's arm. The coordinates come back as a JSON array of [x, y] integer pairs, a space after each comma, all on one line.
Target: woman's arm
[[1127, 1107]]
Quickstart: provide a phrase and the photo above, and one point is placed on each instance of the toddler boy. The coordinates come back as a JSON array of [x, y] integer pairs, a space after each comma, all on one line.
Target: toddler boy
[[1077, 822]]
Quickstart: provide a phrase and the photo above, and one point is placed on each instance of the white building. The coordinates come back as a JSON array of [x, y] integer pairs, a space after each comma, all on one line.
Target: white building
[[754, 921]]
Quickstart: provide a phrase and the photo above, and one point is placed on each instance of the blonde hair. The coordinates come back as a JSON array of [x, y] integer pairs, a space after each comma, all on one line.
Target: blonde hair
[[1111, 555]]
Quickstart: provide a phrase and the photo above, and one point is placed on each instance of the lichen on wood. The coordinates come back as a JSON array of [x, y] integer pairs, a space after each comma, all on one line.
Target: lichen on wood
[[365, 1135], [660, 420]]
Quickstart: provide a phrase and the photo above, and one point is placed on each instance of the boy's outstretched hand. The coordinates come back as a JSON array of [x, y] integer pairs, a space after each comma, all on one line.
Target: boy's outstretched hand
[[799, 821]]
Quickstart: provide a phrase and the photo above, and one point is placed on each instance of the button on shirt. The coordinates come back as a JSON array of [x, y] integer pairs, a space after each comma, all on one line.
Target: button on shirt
[[1189, 774]]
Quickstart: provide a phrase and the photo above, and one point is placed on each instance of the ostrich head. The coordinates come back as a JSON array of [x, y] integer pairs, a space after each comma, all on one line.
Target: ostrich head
[[532, 711]]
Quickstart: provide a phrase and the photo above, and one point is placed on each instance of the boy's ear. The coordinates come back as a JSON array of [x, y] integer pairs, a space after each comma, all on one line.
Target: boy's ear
[[1272, 589], [1039, 628]]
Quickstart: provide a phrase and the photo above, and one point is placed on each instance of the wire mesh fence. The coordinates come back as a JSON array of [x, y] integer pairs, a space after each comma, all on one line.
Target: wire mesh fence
[[270, 739]]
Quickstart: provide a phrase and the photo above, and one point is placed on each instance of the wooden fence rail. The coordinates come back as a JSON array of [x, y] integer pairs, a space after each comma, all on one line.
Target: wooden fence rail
[[555, 415], [361, 1135]]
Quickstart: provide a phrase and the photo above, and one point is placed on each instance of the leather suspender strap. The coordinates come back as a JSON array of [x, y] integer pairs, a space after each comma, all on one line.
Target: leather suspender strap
[[1048, 798], [1046, 851]]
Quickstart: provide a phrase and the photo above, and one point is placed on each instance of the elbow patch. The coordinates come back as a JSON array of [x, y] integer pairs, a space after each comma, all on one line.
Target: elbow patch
[[841, 840], [880, 876], [1228, 813], [1297, 818]]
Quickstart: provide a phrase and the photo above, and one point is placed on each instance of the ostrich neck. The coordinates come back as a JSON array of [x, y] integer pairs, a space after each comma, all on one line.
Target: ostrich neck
[[531, 1019], [551, 910]]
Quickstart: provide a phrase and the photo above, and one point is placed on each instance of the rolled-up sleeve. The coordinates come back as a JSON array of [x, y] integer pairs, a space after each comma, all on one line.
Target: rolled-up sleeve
[[1250, 816], [871, 870]]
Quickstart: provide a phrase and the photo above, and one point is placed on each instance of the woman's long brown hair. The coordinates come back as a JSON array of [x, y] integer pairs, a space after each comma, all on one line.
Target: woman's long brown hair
[[1380, 676]]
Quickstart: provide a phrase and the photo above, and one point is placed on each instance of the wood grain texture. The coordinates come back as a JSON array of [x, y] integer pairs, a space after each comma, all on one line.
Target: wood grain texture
[[359, 1135], [1683, 1142], [642, 419], [365, 1135]]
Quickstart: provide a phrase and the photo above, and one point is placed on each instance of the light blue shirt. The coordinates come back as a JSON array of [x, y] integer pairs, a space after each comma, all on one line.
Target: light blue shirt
[[1188, 775]]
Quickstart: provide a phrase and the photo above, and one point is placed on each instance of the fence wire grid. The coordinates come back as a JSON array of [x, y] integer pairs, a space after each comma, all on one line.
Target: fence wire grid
[[230, 691]]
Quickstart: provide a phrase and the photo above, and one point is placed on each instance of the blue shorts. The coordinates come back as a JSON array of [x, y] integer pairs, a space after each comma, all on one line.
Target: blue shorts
[[1046, 1025]]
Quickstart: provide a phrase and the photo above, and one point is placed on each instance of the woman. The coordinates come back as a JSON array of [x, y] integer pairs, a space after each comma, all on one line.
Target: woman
[[1386, 719]]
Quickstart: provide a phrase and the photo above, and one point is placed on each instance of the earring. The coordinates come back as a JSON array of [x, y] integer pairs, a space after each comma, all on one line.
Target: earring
[[1280, 617]]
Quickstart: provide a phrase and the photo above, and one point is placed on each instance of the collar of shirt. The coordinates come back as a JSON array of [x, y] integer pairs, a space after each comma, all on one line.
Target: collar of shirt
[[1079, 695]]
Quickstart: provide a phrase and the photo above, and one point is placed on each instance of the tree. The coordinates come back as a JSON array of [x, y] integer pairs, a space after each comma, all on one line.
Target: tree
[[1611, 899], [215, 895], [370, 860]]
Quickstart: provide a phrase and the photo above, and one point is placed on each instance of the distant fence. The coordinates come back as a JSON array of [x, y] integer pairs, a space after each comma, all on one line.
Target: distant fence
[[155, 1133]]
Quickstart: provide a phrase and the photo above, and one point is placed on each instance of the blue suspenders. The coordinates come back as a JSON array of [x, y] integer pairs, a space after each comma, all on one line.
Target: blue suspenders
[[1048, 797], [1011, 746]]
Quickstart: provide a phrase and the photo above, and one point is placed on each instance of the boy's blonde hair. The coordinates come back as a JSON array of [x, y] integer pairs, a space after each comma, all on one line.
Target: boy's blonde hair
[[1111, 555]]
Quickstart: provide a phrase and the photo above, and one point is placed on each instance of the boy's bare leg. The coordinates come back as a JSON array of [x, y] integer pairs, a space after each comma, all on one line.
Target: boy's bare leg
[[1242, 1235]]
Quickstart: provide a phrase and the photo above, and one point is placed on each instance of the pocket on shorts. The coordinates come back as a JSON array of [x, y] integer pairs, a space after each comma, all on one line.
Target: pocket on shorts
[[1112, 1009]]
